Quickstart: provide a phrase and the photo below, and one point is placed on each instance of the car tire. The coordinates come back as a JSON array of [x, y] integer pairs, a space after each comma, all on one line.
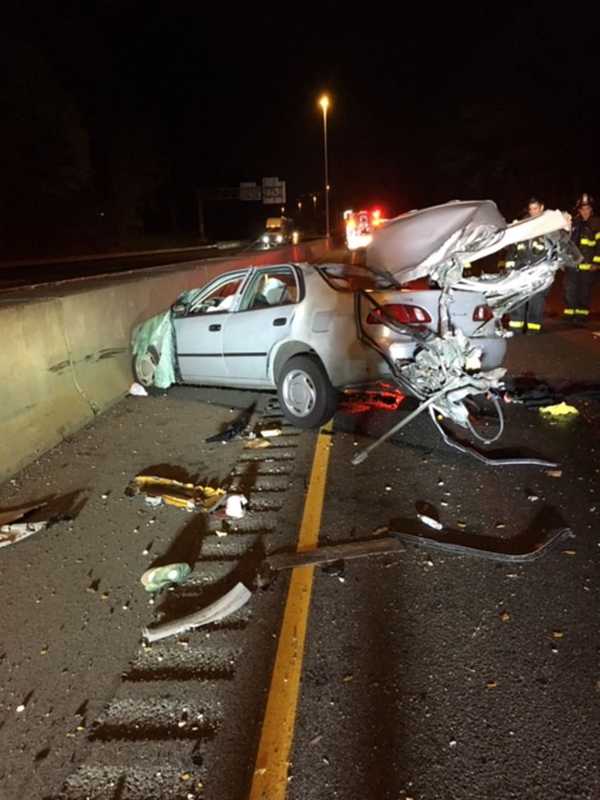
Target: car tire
[[144, 367], [306, 396]]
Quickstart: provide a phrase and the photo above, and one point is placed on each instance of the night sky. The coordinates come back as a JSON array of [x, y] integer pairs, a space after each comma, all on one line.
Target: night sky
[[129, 109]]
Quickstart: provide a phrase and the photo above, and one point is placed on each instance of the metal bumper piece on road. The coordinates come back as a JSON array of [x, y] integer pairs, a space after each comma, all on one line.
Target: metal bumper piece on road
[[518, 550]]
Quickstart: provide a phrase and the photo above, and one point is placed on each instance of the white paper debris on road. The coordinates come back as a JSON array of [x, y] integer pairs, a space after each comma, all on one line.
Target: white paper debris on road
[[235, 506], [137, 390]]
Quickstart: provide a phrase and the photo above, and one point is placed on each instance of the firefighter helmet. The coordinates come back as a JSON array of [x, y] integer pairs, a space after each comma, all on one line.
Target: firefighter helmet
[[585, 200]]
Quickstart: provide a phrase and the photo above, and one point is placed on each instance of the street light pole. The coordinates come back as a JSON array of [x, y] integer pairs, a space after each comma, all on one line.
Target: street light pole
[[324, 103]]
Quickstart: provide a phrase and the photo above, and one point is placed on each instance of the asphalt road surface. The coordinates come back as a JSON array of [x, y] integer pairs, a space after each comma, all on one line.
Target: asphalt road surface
[[424, 675]]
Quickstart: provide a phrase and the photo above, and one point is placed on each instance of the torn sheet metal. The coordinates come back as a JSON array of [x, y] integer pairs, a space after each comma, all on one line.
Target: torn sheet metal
[[409, 246], [544, 225], [453, 362], [188, 496], [503, 293], [438, 242]]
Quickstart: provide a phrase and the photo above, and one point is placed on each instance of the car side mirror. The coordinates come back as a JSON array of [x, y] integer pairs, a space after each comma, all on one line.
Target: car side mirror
[[178, 309]]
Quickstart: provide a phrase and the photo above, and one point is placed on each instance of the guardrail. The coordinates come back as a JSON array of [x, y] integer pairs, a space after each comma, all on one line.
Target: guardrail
[[66, 355]]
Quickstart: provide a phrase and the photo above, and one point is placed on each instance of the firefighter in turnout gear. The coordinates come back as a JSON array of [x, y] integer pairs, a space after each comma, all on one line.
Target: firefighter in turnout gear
[[579, 282], [529, 315]]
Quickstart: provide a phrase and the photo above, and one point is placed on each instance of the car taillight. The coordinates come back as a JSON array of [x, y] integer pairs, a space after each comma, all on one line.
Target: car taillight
[[482, 314], [404, 314]]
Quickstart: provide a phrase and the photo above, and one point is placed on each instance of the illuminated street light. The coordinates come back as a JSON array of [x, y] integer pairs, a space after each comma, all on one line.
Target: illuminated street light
[[299, 205], [324, 102]]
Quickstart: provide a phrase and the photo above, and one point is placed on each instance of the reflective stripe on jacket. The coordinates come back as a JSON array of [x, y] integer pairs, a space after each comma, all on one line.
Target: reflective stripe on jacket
[[586, 235]]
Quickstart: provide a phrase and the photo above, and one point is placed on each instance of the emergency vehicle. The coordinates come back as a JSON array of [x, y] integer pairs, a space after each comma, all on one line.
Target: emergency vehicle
[[360, 226]]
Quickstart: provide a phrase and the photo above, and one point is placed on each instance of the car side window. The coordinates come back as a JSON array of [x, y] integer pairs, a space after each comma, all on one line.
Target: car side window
[[220, 299], [275, 287]]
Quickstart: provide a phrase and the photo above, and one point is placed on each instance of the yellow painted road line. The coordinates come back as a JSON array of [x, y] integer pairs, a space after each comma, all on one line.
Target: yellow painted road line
[[270, 779]]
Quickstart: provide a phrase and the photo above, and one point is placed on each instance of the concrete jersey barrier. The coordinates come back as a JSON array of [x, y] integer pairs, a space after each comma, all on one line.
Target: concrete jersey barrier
[[67, 354]]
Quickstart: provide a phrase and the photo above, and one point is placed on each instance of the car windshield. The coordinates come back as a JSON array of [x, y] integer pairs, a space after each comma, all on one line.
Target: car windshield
[[353, 278]]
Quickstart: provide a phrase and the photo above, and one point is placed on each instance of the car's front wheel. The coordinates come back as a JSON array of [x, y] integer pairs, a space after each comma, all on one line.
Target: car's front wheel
[[144, 366], [306, 395]]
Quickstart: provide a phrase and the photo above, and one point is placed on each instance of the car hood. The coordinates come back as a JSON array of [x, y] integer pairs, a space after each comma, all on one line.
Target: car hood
[[437, 242]]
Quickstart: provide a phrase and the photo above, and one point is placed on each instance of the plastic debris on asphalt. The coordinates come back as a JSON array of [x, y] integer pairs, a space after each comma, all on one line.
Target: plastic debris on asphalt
[[358, 402], [154, 501], [430, 521], [153, 580], [257, 444], [236, 429], [335, 569], [235, 506], [268, 433], [13, 526], [175, 493], [559, 410], [10, 534], [137, 390], [233, 600]]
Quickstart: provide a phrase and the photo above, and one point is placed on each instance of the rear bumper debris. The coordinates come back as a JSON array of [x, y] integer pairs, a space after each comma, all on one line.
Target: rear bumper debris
[[518, 550]]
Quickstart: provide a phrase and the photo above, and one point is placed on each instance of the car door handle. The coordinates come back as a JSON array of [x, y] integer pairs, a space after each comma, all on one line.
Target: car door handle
[[214, 327], [280, 321]]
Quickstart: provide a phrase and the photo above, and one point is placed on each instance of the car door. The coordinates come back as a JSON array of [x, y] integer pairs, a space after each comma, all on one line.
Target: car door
[[263, 318], [199, 329]]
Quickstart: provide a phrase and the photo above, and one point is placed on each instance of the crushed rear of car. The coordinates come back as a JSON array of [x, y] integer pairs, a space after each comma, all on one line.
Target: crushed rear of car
[[451, 361]]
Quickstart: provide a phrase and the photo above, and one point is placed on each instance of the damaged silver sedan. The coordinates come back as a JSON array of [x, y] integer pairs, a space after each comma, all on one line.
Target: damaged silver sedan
[[310, 331]]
